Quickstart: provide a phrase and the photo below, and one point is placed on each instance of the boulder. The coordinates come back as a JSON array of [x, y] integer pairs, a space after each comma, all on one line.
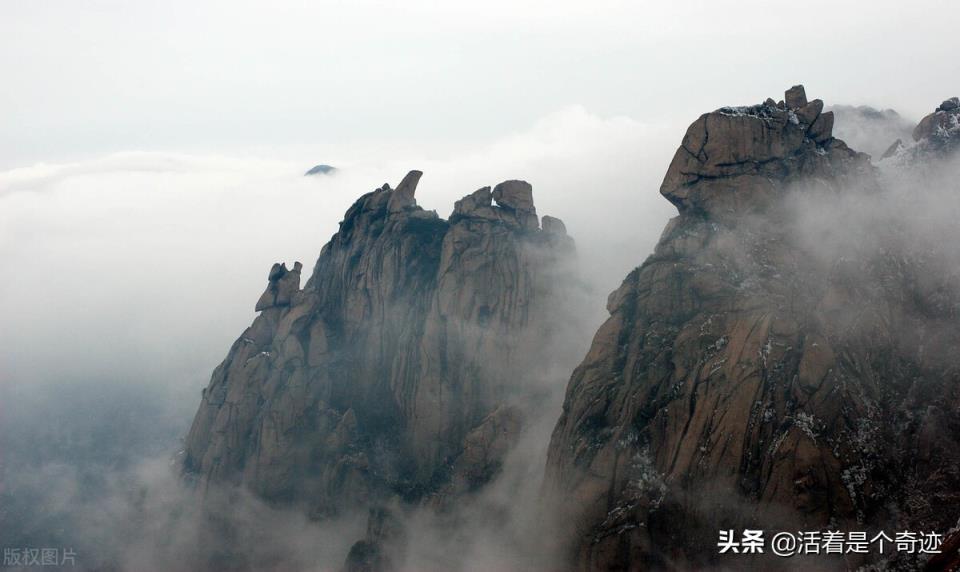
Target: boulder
[[949, 104], [809, 112], [821, 130], [516, 195], [403, 197], [795, 97]]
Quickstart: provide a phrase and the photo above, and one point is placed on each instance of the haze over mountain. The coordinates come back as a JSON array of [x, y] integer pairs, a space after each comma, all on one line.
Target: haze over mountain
[[427, 396]]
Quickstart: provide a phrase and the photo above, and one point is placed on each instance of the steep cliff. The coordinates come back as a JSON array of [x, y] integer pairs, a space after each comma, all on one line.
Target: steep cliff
[[759, 371], [395, 371]]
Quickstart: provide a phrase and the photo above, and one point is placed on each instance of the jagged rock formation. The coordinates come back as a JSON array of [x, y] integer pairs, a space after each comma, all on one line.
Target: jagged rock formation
[[749, 379], [392, 373], [936, 136]]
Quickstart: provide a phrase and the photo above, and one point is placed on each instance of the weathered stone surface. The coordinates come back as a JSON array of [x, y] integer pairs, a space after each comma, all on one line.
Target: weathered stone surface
[[939, 124], [822, 129], [935, 137], [950, 104], [795, 97], [403, 197], [516, 198], [810, 112], [385, 377], [517, 195], [745, 381], [282, 285], [738, 158]]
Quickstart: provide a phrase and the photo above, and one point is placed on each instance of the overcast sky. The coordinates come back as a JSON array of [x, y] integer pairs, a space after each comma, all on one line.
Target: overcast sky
[[82, 78], [152, 157]]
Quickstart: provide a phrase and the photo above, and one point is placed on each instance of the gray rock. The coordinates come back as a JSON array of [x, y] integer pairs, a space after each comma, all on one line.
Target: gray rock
[[282, 285], [795, 97], [822, 128], [477, 203], [320, 170], [949, 104], [403, 197], [517, 195], [809, 112], [386, 369]]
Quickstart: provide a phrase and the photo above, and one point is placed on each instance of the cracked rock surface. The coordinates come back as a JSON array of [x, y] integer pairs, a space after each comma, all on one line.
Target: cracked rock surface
[[386, 376], [745, 381]]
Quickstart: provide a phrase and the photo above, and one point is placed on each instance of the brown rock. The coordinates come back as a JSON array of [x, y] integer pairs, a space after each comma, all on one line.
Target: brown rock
[[809, 112], [282, 285], [731, 159], [822, 129], [392, 362], [744, 381], [402, 198], [478, 203], [517, 195]]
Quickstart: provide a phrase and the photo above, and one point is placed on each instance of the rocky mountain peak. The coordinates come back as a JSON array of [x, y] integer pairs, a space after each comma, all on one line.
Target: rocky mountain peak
[[403, 197], [942, 127], [750, 378], [937, 135], [282, 285], [735, 158], [386, 377]]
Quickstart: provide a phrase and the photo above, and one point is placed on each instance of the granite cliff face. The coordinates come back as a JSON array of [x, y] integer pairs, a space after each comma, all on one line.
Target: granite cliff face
[[393, 373], [754, 373]]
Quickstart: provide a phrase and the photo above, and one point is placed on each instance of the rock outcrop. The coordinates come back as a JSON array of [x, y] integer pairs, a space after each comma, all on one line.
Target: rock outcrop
[[740, 159], [750, 379], [392, 374], [936, 136]]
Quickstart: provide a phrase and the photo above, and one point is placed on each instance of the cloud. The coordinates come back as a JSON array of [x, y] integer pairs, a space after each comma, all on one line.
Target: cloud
[[129, 275]]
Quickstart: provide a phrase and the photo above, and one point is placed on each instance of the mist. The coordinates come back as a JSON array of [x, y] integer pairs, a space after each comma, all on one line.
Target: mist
[[131, 274], [152, 161]]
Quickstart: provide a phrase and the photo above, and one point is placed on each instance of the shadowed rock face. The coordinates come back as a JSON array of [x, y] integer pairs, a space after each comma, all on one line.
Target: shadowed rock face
[[745, 381], [390, 373]]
